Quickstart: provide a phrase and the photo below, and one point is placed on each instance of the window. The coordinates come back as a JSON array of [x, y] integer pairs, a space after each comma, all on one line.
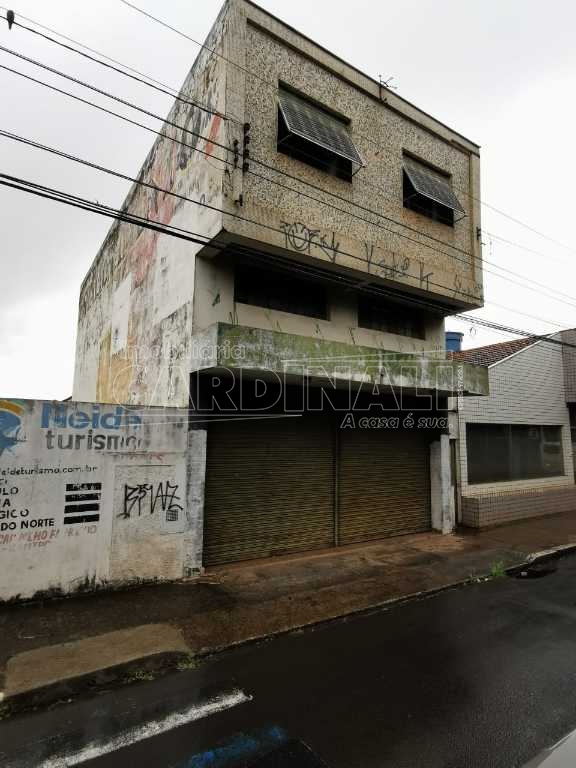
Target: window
[[429, 192], [274, 289], [315, 136], [501, 452], [386, 316]]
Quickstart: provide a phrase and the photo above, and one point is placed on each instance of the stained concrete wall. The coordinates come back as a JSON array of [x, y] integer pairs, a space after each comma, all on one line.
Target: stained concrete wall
[[441, 494], [147, 293], [135, 314], [93, 495], [214, 303]]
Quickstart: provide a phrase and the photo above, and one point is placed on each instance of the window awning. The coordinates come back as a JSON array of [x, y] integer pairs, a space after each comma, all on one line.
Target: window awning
[[432, 185], [320, 128]]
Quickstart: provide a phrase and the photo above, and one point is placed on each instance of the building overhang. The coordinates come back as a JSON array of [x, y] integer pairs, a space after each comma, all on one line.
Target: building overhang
[[265, 354]]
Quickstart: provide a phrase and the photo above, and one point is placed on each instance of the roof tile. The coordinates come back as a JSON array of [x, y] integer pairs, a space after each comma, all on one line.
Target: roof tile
[[492, 353]]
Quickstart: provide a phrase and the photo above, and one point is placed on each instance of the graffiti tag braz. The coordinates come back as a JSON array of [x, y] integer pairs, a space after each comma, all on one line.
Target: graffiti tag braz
[[146, 499]]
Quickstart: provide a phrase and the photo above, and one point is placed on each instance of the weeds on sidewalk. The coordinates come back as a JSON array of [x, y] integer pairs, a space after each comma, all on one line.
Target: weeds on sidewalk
[[497, 569], [189, 662], [138, 675]]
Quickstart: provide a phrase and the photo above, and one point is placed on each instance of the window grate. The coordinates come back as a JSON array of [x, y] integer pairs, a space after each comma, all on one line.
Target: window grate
[[432, 185], [312, 124]]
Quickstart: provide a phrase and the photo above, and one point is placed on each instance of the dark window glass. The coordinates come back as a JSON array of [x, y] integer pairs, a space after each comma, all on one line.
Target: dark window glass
[[382, 315], [278, 290], [501, 452], [424, 205]]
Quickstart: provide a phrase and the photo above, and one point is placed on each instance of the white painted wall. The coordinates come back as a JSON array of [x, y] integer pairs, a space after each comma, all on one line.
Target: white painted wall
[[128, 466], [526, 388], [135, 312]]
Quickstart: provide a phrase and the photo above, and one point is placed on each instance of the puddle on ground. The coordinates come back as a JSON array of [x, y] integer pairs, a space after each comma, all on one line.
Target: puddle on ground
[[534, 572]]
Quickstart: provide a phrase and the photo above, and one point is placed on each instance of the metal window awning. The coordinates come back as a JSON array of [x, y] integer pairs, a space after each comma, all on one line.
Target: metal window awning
[[432, 185], [313, 124]]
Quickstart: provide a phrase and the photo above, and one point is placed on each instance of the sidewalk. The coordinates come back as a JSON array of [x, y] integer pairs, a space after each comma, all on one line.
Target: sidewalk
[[237, 603]]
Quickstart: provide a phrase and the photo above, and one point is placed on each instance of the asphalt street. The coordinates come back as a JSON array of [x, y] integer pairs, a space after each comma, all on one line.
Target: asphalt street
[[481, 676]]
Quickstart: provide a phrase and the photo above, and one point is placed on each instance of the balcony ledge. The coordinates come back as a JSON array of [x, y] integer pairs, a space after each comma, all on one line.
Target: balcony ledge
[[258, 352]]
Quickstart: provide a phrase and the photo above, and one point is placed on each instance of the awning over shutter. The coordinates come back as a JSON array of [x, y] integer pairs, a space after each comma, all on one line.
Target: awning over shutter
[[320, 128], [432, 185]]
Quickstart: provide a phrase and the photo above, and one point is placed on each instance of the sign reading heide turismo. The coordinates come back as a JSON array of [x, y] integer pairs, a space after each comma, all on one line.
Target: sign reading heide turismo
[[69, 476]]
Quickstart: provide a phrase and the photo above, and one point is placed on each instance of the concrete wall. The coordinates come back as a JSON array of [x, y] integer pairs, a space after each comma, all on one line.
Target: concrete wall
[[216, 279], [400, 247], [526, 388], [135, 315], [146, 293], [93, 495]]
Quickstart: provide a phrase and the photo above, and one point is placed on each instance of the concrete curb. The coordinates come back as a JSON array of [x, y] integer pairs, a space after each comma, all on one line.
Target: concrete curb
[[530, 560], [109, 678], [52, 673], [164, 662]]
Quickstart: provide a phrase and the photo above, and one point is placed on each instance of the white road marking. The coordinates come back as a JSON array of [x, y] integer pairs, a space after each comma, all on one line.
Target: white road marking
[[149, 730]]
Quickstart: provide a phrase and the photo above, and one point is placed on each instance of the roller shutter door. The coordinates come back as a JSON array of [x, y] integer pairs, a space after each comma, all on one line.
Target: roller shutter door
[[384, 484], [269, 488]]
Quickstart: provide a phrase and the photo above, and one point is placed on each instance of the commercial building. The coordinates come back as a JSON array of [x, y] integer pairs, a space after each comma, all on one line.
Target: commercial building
[[316, 228]]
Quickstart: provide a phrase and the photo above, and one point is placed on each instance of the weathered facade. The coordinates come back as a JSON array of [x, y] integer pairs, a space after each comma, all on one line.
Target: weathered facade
[[94, 495], [337, 226]]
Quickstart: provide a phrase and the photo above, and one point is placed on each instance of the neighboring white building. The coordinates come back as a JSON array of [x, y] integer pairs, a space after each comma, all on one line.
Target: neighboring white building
[[513, 452]]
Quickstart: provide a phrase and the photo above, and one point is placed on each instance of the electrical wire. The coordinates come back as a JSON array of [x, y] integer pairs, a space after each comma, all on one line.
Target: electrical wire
[[156, 188], [126, 103], [291, 189], [179, 232], [149, 185], [274, 85], [159, 88], [259, 162], [16, 23]]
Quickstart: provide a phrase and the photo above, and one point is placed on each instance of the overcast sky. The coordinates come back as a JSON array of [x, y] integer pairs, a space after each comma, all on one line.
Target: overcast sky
[[502, 72]]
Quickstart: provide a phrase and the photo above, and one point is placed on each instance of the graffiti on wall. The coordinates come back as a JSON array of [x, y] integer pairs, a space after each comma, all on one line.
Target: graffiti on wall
[[58, 508], [136, 265], [375, 260], [149, 498]]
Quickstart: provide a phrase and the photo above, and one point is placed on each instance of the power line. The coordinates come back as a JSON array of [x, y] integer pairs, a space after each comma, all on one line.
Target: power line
[[275, 87], [192, 40], [256, 160], [380, 189], [493, 236], [228, 117], [86, 47], [195, 148], [159, 88], [512, 331], [273, 169], [126, 177], [179, 232], [109, 111], [149, 185], [504, 269]]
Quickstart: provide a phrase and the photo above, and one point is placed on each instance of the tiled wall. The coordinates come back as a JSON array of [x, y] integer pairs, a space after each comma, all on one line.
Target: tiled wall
[[498, 509]]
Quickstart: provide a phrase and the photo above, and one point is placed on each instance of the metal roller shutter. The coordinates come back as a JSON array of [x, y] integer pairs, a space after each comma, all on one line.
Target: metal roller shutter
[[269, 488], [384, 484]]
